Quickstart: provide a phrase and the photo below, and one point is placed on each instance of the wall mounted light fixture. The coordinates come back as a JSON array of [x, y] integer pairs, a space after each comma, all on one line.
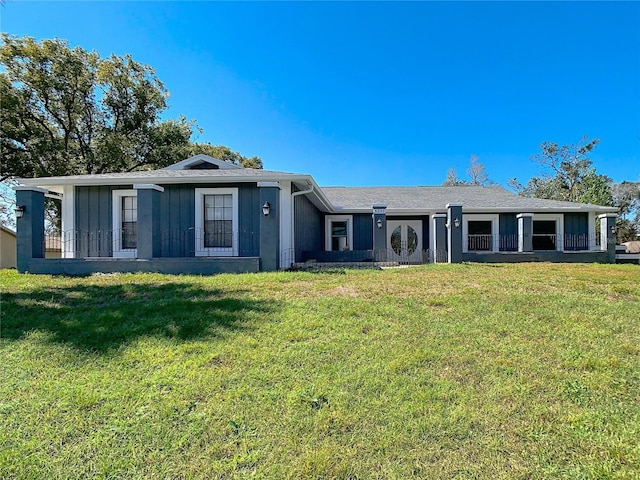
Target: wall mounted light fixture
[[266, 209], [456, 223], [20, 209], [379, 223], [613, 229]]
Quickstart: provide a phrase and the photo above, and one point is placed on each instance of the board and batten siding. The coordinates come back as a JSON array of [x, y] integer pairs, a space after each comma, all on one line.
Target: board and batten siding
[[508, 231], [576, 231], [362, 231], [177, 205], [94, 216], [178, 219], [308, 227], [249, 212]]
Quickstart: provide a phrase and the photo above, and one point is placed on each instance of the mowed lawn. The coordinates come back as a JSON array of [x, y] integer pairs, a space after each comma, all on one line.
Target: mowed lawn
[[527, 371]]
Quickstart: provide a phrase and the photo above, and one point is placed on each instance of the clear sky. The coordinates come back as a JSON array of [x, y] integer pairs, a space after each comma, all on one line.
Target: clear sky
[[377, 93]]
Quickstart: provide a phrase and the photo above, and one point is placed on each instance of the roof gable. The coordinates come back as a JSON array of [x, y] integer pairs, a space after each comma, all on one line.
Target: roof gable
[[202, 162]]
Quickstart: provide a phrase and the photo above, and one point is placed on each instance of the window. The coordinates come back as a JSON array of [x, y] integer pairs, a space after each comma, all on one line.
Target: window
[[480, 237], [216, 222], [544, 235], [480, 233], [339, 232], [548, 231], [129, 222], [125, 223]]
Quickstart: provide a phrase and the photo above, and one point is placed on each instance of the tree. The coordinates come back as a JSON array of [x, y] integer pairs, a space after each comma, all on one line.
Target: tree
[[476, 172], [627, 198], [571, 176], [66, 111], [224, 153]]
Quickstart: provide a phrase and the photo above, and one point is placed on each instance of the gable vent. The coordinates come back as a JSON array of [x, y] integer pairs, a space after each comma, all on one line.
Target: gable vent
[[203, 166]]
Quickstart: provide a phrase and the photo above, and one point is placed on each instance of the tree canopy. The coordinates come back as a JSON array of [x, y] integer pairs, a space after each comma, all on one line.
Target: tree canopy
[[569, 175], [68, 111]]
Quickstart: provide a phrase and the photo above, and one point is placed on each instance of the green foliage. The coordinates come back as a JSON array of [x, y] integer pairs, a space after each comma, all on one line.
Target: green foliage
[[443, 371], [571, 176], [67, 111], [225, 153]]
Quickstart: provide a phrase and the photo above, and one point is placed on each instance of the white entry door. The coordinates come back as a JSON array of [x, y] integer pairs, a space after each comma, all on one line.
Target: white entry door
[[404, 240]]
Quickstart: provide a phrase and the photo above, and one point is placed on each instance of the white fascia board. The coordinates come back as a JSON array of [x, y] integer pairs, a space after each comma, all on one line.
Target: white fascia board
[[322, 202], [389, 212], [131, 180], [147, 186], [539, 210], [30, 188], [268, 184]]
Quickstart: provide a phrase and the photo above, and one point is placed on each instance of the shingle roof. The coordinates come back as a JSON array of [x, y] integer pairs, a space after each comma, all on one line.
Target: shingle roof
[[409, 199], [163, 176], [436, 199]]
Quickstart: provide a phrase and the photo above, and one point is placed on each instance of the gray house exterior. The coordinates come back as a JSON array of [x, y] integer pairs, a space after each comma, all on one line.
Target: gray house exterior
[[205, 216]]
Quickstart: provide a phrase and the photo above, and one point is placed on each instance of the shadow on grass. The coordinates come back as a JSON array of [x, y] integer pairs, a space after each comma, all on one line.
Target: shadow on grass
[[103, 318]]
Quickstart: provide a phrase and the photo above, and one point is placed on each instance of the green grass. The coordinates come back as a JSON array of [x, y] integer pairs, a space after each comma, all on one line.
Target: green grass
[[527, 371]]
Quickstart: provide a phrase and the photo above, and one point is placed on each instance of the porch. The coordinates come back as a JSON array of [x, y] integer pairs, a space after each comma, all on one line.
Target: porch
[[190, 251]]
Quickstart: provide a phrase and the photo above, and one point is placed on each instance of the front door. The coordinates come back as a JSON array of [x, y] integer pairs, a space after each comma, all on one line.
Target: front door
[[404, 240]]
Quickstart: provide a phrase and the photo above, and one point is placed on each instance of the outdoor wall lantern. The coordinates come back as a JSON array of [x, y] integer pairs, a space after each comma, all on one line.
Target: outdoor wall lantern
[[379, 223], [613, 229], [20, 209], [456, 223], [266, 209]]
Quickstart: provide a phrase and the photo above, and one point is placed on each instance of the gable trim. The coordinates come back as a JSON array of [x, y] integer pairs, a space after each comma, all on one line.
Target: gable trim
[[202, 158]]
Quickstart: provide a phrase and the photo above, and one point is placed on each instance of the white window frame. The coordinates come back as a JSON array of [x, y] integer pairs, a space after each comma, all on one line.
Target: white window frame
[[201, 250], [328, 220], [494, 218], [118, 251], [559, 219]]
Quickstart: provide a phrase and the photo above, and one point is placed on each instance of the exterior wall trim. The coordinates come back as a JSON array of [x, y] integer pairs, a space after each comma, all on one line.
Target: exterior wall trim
[[286, 219], [201, 250], [494, 218], [68, 213], [327, 229], [559, 219], [116, 199], [148, 186], [29, 188], [269, 184]]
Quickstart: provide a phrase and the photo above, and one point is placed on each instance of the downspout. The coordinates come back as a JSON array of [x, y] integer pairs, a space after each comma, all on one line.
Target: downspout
[[293, 221]]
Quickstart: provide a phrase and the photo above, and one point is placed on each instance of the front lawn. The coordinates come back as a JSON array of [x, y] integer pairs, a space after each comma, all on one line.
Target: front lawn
[[443, 371]]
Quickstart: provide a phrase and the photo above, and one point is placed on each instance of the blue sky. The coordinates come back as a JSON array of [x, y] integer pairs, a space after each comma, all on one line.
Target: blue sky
[[377, 93]]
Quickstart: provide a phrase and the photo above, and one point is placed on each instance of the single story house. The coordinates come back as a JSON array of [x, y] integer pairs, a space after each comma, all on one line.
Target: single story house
[[203, 215]]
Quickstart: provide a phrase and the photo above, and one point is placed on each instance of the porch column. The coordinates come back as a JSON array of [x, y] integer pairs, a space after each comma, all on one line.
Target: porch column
[[525, 232], [439, 237], [148, 235], [379, 232], [269, 226], [454, 232], [608, 235], [29, 227]]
